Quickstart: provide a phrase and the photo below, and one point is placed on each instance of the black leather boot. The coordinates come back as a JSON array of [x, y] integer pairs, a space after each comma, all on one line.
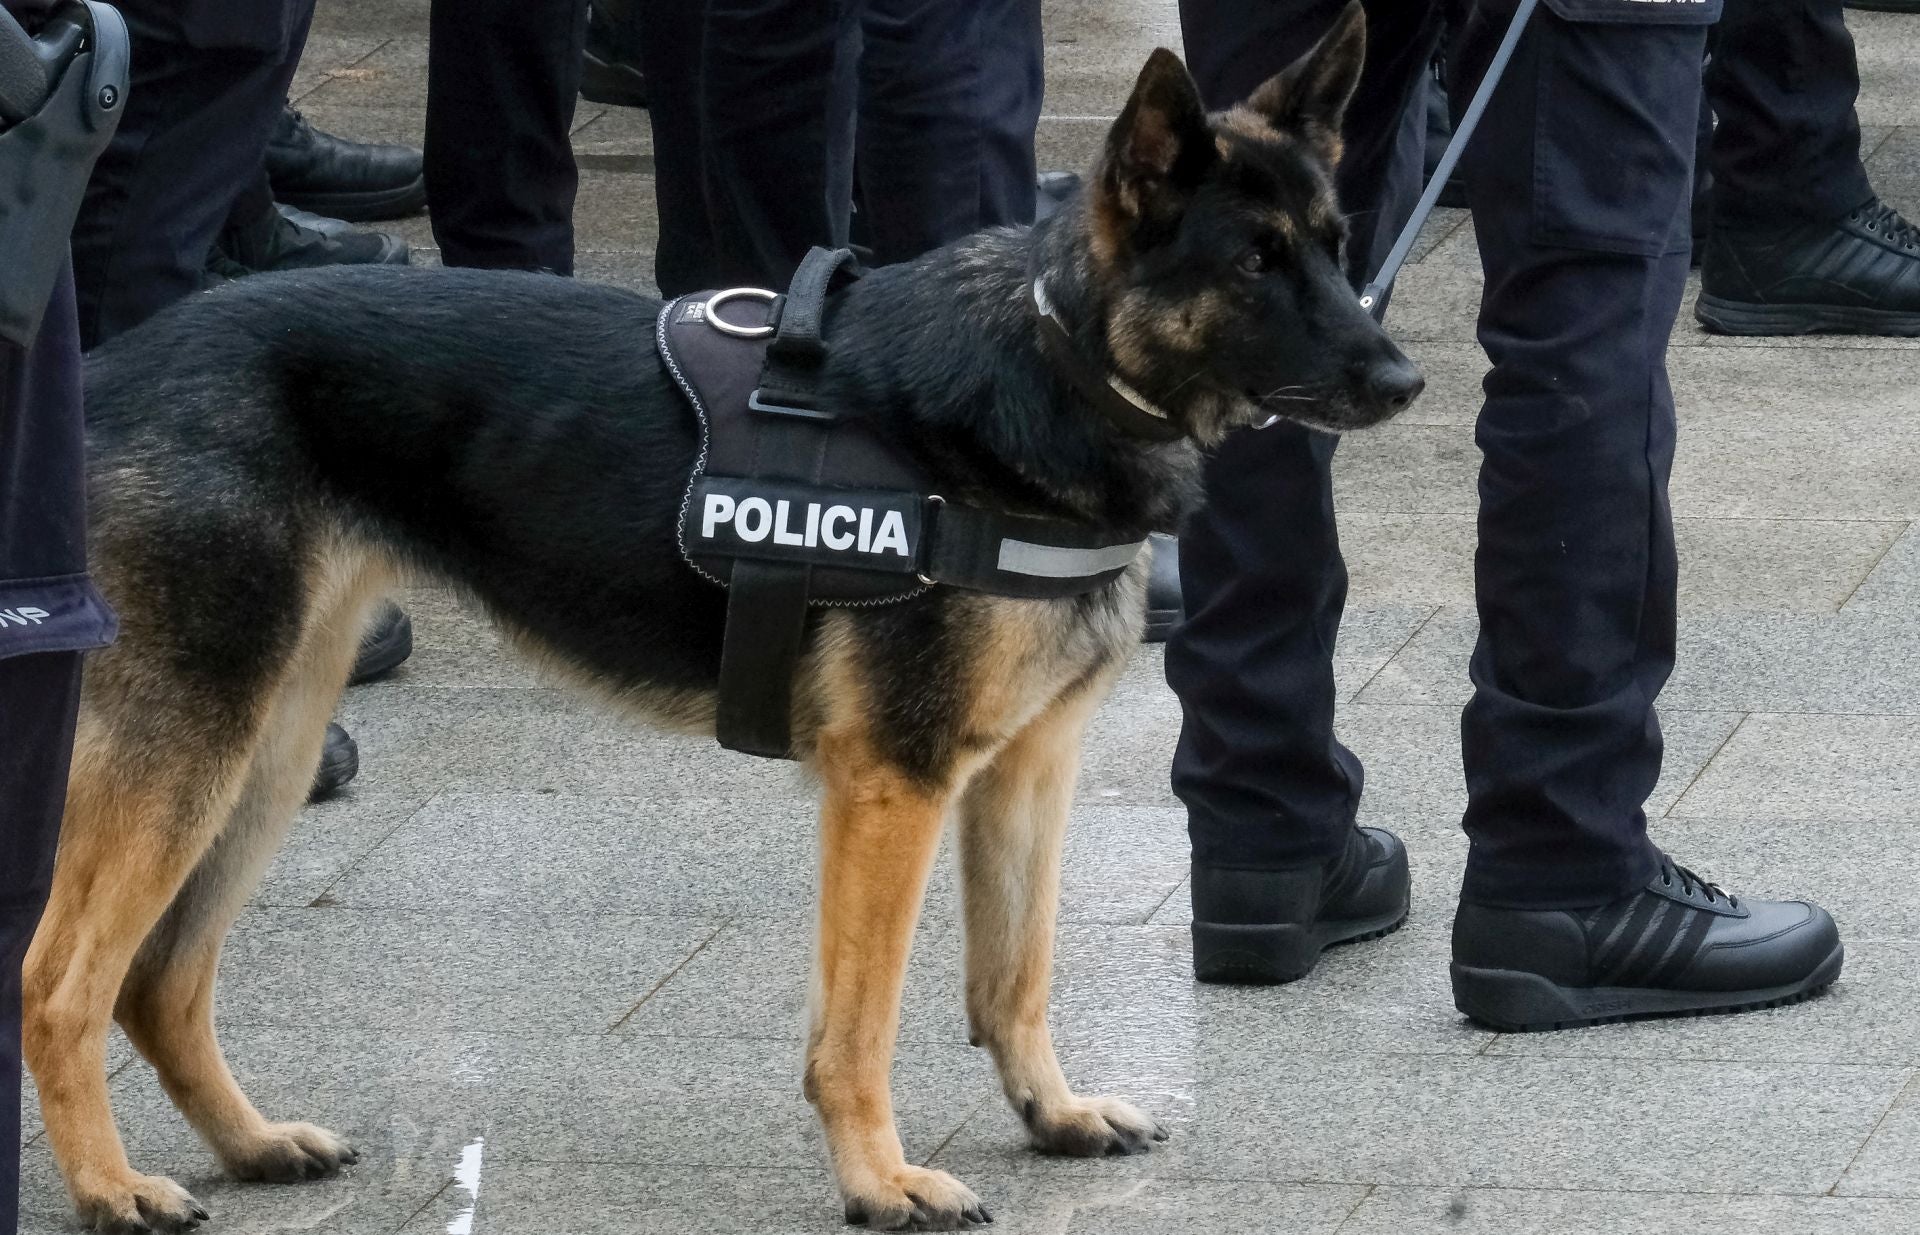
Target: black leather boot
[[341, 179], [282, 238], [1262, 927], [1679, 946], [1857, 275], [339, 764], [386, 645], [610, 72]]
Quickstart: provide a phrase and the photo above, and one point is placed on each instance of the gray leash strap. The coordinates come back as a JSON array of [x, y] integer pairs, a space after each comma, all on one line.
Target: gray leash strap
[[1373, 297]]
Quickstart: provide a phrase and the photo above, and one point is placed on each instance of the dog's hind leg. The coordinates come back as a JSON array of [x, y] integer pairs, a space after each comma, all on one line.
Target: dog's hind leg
[[136, 824], [879, 832], [1013, 821], [166, 1005]]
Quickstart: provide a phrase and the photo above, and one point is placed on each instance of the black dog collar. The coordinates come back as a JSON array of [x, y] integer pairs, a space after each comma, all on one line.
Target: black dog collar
[[1124, 407]]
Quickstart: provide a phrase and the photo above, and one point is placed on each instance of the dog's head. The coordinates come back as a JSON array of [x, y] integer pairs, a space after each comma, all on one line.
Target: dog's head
[[1216, 245]]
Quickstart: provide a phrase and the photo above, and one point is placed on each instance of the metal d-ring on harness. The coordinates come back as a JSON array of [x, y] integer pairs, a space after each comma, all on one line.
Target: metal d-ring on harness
[[795, 503], [1373, 297]]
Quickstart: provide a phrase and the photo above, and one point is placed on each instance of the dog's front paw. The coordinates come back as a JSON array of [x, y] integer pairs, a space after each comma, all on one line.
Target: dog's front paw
[[1090, 1128], [137, 1205], [912, 1198], [290, 1153]]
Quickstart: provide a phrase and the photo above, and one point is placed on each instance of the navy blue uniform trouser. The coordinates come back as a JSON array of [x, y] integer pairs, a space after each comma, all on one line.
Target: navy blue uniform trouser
[[773, 117], [202, 103], [503, 77], [1783, 81], [1579, 181], [48, 616]]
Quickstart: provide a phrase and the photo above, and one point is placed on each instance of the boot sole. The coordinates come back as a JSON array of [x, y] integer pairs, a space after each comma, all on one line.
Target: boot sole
[[1512, 1001], [1735, 318], [363, 206], [1268, 955]]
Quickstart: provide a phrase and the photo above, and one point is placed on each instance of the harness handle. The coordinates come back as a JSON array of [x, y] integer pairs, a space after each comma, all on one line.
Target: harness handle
[[798, 340]]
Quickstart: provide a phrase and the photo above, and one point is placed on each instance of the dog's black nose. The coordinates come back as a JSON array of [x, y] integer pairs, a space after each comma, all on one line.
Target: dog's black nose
[[1394, 383]]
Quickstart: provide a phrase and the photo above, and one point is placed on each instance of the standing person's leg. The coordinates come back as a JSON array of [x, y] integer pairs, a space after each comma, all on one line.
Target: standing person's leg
[[503, 78], [1798, 240], [1783, 81], [673, 34], [1580, 187], [193, 136], [1270, 792], [778, 85], [949, 101], [42, 576]]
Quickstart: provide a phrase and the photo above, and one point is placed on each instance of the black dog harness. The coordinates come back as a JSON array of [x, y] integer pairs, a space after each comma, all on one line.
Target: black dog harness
[[793, 505]]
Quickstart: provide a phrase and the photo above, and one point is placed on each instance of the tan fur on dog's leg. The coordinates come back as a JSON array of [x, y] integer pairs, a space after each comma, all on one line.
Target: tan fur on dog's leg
[[879, 833], [166, 1005], [124, 852], [1012, 827]]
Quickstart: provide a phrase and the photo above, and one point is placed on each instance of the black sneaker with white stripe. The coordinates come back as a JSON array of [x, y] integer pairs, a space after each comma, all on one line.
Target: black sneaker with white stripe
[[1678, 947]]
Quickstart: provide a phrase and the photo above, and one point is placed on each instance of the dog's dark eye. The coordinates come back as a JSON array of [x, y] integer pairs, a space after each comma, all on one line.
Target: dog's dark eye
[[1253, 261]]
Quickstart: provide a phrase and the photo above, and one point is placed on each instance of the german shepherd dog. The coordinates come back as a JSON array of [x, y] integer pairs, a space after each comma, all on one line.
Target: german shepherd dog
[[271, 457]]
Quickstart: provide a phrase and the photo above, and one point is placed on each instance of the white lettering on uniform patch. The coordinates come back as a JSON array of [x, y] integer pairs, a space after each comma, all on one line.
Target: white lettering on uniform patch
[[756, 532], [783, 533], [830, 538], [893, 534], [719, 510], [25, 615]]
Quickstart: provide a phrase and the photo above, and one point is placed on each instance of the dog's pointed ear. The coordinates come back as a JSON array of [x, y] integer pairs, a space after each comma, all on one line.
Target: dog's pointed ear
[[1309, 97], [1160, 147]]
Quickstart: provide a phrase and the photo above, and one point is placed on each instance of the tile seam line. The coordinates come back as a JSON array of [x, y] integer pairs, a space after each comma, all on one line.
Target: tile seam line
[[1394, 655], [1855, 590], [326, 78], [1705, 764], [424, 1205], [370, 850], [671, 975], [1364, 1198], [1833, 1189]]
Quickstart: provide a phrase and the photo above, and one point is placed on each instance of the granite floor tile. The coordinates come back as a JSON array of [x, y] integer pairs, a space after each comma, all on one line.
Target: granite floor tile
[[1507, 1211], [1889, 1164], [530, 741], [455, 645], [1888, 52], [1442, 1121], [1856, 871], [1860, 768], [1893, 586], [329, 837], [537, 969], [1125, 1006], [600, 1200], [707, 857]]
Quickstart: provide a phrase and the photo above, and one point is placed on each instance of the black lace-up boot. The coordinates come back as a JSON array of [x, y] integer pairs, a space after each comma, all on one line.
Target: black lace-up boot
[[1679, 946], [1857, 275]]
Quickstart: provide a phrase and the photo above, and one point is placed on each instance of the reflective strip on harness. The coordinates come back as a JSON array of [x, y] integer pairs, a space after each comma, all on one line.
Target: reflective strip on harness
[[1020, 557]]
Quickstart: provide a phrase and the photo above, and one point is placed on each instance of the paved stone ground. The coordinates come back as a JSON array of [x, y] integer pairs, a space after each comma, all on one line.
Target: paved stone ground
[[571, 957]]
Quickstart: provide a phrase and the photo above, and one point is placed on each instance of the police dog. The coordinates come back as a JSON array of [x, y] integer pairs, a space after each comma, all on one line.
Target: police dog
[[271, 457]]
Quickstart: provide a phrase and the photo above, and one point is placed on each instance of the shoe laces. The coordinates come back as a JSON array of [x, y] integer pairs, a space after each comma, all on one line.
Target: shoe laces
[[1672, 872], [1880, 219]]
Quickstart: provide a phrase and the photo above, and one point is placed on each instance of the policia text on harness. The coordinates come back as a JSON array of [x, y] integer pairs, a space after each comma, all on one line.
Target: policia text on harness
[[793, 505]]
